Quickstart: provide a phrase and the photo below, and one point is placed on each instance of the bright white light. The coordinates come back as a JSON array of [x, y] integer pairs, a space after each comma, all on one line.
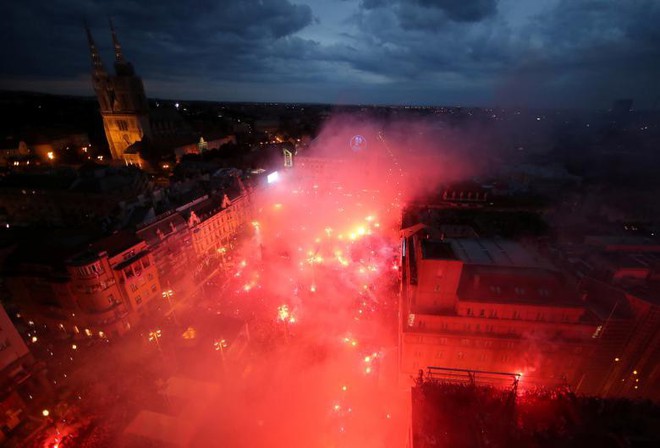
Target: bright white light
[[273, 177]]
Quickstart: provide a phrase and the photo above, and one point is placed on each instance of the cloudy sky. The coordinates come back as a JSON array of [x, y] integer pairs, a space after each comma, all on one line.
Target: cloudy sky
[[568, 53]]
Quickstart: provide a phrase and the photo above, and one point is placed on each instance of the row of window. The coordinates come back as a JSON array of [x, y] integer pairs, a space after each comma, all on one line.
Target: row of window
[[90, 270], [480, 343], [520, 291], [515, 314], [480, 356], [489, 328], [122, 125]]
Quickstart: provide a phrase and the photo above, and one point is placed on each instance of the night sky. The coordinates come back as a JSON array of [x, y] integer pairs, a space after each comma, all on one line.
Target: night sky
[[550, 53]]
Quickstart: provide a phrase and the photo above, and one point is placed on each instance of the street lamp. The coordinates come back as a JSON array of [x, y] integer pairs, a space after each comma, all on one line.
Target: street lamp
[[154, 336], [167, 294]]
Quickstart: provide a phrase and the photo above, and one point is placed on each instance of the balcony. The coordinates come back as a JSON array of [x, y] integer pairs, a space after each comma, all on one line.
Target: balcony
[[95, 287], [107, 315]]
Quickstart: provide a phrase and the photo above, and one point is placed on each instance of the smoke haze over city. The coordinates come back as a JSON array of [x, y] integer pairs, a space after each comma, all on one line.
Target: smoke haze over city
[[333, 224]]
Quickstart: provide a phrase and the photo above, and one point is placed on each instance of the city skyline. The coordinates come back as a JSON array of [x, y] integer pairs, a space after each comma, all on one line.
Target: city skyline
[[540, 54]]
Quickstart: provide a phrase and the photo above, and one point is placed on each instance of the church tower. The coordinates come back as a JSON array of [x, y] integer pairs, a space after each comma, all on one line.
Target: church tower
[[122, 100]]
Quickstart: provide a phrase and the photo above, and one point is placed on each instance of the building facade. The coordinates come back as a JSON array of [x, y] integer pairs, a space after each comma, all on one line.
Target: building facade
[[215, 222], [489, 305], [100, 291], [115, 282], [17, 367], [169, 239]]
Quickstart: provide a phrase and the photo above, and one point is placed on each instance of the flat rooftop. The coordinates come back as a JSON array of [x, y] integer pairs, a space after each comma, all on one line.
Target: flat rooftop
[[437, 250], [503, 284], [494, 252]]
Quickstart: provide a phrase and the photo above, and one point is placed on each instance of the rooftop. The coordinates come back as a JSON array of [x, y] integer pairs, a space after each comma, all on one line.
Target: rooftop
[[114, 244], [605, 300], [437, 250], [494, 252], [648, 291], [517, 285], [163, 226]]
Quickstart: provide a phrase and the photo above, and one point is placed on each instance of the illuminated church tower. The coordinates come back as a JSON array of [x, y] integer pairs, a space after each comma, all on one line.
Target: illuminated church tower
[[122, 100]]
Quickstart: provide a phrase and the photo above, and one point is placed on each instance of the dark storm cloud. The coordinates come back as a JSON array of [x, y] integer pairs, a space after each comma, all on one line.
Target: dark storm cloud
[[420, 51], [461, 11], [576, 52], [588, 51], [429, 14], [47, 37]]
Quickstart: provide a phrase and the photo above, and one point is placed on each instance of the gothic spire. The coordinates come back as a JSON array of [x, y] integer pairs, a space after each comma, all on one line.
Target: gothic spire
[[97, 64], [119, 56]]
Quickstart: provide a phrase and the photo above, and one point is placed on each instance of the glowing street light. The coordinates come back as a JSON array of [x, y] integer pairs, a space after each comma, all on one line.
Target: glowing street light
[[154, 336], [220, 345], [167, 294], [223, 251]]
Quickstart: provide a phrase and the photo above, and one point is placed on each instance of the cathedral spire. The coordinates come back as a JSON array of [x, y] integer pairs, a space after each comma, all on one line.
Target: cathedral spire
[[119, 56], [97, 64]]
